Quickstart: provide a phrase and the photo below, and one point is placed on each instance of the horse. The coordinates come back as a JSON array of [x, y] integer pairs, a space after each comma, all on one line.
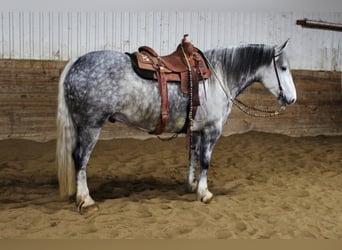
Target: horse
[[101, 86]]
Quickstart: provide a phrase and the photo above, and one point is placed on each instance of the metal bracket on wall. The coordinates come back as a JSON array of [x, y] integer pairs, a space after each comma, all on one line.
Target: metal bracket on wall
[[313, 24]]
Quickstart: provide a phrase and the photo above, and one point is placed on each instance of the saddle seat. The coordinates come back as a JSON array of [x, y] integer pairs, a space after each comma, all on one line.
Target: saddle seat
[[174, 62], [186, 64], [175, 65]]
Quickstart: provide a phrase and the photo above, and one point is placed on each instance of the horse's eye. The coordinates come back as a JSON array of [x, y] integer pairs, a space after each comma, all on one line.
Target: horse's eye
[[283, 68]]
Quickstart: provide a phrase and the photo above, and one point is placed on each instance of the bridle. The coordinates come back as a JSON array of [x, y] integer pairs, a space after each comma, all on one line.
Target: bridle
[[281, 93], [260, 113]]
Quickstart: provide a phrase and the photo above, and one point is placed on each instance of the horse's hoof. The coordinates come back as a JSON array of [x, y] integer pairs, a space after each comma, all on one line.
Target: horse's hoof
[[84, 208], [88, 209], [191, 187], [207, 198]]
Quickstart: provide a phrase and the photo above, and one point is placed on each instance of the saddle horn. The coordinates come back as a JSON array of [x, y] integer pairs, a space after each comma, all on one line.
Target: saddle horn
[[188, 47]]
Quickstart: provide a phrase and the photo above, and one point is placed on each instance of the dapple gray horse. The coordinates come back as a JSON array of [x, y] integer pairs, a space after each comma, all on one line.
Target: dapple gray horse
[[102, 86]]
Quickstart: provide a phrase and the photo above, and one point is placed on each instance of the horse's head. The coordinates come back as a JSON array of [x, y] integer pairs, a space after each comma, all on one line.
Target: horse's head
[[277, 77]]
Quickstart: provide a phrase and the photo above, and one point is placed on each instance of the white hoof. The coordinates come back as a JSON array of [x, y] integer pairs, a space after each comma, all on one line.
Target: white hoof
[[205, 197], [86, 205]]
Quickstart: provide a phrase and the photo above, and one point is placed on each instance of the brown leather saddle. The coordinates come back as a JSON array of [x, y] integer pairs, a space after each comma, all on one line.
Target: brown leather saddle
[[186, 66]]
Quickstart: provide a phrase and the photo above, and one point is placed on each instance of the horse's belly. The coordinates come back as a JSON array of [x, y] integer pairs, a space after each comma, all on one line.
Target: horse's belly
[[144, 111]]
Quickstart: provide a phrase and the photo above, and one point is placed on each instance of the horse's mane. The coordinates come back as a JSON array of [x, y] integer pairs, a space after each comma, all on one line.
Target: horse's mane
[[239, 64], [242, 60]]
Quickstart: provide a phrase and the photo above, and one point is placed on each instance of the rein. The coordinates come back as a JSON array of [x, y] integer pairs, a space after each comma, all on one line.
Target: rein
[[260, 113]]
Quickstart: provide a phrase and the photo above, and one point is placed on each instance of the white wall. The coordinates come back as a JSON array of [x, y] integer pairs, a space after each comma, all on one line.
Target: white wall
[[63, 35]]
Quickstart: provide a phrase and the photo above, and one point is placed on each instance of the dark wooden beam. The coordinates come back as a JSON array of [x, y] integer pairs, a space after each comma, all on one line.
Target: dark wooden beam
[[312, 24]]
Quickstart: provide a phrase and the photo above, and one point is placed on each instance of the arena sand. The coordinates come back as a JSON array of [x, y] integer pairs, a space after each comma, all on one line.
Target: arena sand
[[266, 186]]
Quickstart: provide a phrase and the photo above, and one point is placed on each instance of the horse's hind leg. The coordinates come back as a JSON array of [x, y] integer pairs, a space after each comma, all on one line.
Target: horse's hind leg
[[86, 141]]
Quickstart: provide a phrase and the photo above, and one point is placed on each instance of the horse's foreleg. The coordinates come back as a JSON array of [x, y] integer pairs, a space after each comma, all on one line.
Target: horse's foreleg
[[86, 141], [208, 141], [191, 183]]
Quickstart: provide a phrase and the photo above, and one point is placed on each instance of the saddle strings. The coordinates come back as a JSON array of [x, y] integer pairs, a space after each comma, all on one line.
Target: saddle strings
[[191, 119], [190, 90]]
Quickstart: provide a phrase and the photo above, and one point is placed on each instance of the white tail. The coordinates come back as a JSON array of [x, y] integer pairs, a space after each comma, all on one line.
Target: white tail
[[66, 139]]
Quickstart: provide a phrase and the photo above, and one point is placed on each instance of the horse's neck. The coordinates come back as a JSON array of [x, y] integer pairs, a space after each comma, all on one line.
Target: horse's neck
[[235, 82], [238, 67], [238, 83]]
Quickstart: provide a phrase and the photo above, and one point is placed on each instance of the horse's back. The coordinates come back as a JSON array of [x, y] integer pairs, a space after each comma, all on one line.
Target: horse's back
[[96, 64]]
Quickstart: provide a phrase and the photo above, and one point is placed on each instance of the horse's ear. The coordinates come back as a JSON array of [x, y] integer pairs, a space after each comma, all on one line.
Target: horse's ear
[[278, 49]]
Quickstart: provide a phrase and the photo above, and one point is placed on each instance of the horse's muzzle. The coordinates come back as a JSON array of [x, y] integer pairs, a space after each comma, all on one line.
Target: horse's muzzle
[[284, 101]]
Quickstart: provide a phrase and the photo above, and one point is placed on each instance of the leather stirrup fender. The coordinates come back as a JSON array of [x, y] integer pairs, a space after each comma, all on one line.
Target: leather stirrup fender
[[164, 101]]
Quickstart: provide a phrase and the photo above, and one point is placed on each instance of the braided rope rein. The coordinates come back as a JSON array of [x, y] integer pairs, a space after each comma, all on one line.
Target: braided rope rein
[[260, 113]]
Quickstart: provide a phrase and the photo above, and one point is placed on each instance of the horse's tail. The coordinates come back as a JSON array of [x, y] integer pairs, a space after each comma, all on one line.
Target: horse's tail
[[66, 140]]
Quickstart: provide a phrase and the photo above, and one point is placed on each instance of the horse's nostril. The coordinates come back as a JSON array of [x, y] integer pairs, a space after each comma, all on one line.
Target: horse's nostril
[[292, 101]]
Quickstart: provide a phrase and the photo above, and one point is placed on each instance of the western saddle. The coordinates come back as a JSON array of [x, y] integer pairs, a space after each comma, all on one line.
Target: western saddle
[[186, 66]]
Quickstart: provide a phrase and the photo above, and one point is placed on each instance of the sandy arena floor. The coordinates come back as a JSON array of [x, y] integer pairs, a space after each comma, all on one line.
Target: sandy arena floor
[[266, 186]]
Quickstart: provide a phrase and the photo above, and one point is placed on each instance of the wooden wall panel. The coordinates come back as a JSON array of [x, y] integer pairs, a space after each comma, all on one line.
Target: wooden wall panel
[[28, 98]]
